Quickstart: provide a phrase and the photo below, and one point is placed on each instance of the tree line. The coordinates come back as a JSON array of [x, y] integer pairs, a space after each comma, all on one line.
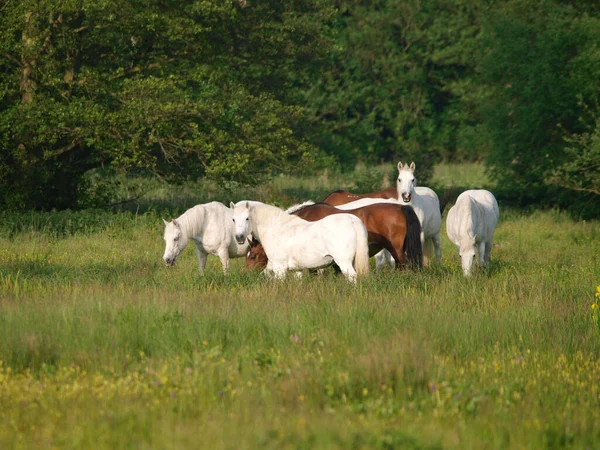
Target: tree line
[[244, 89]]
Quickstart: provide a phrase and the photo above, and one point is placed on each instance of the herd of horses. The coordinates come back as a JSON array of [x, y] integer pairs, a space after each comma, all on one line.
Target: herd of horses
[[399, 226]]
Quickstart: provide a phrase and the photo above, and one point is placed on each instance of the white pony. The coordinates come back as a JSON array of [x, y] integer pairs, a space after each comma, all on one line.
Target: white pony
[[470, 225], [210, 226], [426, 205], [292, 243]]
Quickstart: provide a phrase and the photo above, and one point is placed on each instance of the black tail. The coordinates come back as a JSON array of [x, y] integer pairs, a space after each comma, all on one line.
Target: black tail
[[412, 241]]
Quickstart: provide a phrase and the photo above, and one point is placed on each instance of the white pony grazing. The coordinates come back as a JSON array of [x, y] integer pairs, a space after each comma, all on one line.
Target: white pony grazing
[[426, 204], [211, 228], [470, 225], [292, 243]]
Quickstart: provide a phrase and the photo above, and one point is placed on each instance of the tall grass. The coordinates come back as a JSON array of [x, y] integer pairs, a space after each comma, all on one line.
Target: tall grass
[[103, 346]]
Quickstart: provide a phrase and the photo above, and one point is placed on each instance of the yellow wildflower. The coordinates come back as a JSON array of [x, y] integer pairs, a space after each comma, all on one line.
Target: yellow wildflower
[[594, 305], [598, 291]]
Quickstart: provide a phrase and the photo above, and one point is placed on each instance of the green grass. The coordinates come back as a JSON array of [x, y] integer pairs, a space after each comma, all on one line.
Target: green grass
[[102, 346]]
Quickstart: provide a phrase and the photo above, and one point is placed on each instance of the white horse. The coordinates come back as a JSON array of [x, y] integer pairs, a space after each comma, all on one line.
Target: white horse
[[470, 225], [210, 227], [426, 204], [292, 243]]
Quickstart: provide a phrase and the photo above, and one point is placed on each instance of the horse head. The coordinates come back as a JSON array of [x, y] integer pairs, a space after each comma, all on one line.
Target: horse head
[[175, 242], [467, 254], [406, 181], [256, 257], [241, 221]]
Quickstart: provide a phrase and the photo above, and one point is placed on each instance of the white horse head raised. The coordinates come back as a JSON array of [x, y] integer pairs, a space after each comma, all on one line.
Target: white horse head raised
[[407, 182], [241, 220], [175, 241]]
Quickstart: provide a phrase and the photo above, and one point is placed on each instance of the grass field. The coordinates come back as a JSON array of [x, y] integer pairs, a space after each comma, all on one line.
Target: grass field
[[102, 346]]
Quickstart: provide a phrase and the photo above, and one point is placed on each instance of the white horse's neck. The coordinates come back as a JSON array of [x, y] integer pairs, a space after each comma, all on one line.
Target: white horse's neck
[[265, 217], [192, 221], [469, 211]]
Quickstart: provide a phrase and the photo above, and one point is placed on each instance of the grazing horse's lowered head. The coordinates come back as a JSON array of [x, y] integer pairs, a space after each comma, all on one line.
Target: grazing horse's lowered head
[[406, 181], [175, 242]]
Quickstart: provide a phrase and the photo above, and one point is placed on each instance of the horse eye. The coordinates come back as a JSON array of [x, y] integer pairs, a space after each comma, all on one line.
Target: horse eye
[[176, 239], [247, 218], [233, 220]]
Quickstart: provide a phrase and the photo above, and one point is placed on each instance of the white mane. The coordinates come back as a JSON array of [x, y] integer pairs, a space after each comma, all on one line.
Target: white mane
[[192, 221], [467, 210], [292, 209], [264, 215]]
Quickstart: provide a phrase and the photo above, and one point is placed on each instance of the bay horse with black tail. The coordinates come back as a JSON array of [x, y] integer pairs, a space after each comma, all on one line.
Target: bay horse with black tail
[[390, 226]]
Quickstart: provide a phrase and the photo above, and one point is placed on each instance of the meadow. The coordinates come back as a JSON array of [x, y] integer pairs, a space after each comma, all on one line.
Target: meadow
[[102, 346]]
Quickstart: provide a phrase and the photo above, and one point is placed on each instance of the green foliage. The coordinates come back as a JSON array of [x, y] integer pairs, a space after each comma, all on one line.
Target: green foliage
[[581, 171], [179, 89], [394, 87], [542, 58], [239, 92]]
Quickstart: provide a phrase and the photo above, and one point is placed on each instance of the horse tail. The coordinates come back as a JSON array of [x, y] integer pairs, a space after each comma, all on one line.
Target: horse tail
[[361, 256], [412, 241]]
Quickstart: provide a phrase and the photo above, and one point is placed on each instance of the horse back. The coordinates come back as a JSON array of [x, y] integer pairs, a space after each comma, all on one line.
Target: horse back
[[341, 197]]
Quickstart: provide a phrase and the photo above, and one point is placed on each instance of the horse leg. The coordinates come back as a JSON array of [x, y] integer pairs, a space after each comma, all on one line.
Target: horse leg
[[201, 254], [279, 274], [481, 250], [437, 244], [348, 270], [224, 257], [383, 258], [278, 271], [395, 249], [488, 251], [426, 244]]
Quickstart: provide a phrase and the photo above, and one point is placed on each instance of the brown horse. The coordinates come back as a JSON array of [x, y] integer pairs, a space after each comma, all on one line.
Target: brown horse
[[341, 197], [391, 226]]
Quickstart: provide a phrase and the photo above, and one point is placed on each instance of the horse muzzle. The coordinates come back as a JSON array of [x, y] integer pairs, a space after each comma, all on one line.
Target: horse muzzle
[[406, 197], [169, 261], [240, 239]]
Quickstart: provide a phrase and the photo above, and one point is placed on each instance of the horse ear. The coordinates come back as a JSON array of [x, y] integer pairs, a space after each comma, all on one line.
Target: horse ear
[[175, 223], [165, 222], [412, 166], [400, 165], [247, 205], [231, 205]]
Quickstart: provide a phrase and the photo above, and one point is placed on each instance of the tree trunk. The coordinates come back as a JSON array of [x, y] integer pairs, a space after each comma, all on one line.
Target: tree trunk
[[28, 60]]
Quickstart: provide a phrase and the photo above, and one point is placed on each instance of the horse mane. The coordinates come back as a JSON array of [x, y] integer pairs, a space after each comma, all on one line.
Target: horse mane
[[465, 208], [270, 212], [192, 221], [295, 208]]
